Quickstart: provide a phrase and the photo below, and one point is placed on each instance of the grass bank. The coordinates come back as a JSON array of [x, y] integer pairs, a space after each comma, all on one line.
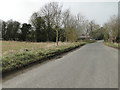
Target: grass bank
[[17, 59], [114, 45]]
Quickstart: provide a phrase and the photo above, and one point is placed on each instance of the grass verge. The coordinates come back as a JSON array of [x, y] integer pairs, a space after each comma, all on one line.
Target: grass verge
[[18, 60], [114, 45]]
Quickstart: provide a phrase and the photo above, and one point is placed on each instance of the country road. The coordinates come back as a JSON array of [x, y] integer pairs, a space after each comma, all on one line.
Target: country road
[[91, 66]]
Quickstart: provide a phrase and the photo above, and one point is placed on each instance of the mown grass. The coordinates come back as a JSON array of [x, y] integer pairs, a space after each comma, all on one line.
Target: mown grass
[[114, 45], [15, 60]]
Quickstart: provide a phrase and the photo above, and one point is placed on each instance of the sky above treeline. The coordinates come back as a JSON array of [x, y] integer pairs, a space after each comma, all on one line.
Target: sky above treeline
[[21, 10]]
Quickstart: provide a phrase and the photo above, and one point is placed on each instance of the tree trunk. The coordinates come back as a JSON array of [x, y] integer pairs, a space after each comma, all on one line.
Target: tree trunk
[[57, 36]]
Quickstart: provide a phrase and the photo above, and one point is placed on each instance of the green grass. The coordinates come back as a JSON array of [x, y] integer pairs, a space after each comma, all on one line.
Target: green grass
[[114, 45], [13, 61]]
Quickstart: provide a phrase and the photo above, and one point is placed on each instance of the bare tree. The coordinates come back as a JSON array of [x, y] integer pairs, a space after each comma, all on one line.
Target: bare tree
[[86, 27], [80, 24], [93, 26], [57, 14], [71, 29], [51, 13], [65, 20], [111, 27], [47, 13]]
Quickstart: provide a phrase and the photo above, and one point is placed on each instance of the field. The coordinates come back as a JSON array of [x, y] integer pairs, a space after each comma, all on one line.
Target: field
[[19, 54], [11, 47]]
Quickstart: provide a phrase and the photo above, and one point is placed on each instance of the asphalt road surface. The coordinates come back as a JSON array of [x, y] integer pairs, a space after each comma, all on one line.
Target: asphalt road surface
[[92, 66]]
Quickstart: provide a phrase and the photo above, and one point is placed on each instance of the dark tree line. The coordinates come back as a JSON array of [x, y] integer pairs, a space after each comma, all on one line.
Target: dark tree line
[[13, 30], [98, 34]]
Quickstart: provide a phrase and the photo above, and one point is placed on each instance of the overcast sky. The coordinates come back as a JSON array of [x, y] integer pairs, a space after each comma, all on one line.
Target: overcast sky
[[21, 10]]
